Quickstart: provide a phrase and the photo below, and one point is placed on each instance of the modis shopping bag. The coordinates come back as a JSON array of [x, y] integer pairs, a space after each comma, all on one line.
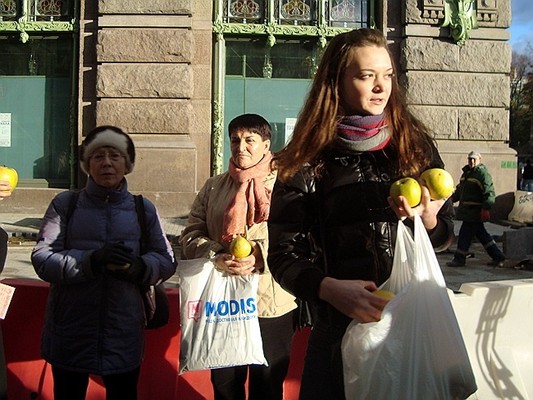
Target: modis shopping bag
[[416, 351], [218, 312]]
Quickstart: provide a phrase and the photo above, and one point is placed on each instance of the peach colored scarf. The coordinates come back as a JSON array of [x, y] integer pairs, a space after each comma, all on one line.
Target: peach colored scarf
[[251, 203]]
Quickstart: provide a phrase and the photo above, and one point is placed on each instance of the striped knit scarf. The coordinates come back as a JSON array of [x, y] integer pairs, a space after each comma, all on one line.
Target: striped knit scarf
[[368, 133]]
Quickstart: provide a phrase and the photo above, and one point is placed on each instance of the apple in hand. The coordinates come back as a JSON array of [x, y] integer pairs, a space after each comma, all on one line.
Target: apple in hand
[[386, 294], [9, 175], [240, 247], [439, 182], [408, 188]]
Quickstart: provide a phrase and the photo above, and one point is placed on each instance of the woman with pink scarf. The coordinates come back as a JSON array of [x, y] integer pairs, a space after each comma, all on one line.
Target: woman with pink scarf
[[234, 203]]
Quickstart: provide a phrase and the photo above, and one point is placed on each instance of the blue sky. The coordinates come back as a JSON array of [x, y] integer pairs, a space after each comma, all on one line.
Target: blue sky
[[521, 25]]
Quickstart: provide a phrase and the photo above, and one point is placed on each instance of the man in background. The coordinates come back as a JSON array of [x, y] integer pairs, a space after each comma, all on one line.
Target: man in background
[[527, 177], [476, 196]]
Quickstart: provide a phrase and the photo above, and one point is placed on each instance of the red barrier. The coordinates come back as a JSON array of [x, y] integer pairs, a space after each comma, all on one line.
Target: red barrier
[[30, 377]]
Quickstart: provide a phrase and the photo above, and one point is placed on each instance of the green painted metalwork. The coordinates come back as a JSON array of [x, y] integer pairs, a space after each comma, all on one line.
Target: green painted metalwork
[[321, 31], [25, 24], [461, 17]]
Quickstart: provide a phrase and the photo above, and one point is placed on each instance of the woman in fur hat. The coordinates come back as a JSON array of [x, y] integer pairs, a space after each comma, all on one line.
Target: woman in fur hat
[[89, 250]]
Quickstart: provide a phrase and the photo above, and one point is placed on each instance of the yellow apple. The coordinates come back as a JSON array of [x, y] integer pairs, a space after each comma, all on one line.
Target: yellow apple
[[439, 182], [386, 294], [408, 188], [10, 175], [240, 247], [117, 267]]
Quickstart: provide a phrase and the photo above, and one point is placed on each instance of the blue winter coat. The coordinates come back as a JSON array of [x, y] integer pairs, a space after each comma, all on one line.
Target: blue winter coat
[[95, 323]]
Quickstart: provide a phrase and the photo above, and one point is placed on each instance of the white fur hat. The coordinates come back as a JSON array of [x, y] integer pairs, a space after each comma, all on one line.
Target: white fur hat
[[107, 136]]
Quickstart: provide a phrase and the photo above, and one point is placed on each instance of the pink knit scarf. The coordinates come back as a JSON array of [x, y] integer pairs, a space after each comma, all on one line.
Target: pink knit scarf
[[251, 203]]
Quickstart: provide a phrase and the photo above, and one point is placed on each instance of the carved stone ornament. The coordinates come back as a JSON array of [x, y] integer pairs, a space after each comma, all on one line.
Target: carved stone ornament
[[433, 9], [461, 17]]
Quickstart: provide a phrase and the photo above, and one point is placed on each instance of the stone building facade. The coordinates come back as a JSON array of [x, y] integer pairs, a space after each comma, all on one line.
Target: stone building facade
[[148, 67]]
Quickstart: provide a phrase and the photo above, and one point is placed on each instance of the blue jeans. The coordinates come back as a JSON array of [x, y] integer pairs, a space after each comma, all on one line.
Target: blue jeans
[[527, 185], [467, 232]]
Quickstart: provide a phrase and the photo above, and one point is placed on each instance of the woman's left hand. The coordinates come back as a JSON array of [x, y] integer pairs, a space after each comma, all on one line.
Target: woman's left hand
[[427, 209]]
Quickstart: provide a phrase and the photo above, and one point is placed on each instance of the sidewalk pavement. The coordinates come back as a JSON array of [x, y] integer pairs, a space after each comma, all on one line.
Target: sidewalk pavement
[[23, 231]]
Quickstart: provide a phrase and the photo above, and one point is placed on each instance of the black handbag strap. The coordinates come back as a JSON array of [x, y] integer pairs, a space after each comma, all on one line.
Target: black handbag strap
[[141, 216]]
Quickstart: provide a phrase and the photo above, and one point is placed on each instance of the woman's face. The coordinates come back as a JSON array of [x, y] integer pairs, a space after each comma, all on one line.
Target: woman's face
[[248, 148], [367, 81], [107, 167]]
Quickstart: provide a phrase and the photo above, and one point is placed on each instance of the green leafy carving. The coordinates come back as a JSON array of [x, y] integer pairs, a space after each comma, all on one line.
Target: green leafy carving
[[461, 17]]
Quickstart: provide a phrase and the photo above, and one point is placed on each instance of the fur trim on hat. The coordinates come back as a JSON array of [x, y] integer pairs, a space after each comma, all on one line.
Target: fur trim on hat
[[107, 137]]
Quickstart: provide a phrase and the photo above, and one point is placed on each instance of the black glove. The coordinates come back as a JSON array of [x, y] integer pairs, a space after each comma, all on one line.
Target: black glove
[[98, 259], [125, 266], [119, 255]]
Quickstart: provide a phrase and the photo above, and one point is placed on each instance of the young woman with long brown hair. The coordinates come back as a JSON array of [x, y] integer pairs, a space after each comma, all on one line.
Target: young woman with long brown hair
[[332, 223]]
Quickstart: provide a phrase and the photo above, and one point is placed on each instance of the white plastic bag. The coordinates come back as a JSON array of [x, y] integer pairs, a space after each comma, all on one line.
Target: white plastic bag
[[416, 351], [218, 313]]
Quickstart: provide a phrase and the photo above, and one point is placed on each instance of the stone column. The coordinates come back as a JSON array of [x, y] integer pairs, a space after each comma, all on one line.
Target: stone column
[[462, 91], [153, 79]]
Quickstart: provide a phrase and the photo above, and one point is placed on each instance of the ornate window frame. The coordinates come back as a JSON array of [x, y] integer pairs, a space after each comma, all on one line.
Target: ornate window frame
[[27, 21]]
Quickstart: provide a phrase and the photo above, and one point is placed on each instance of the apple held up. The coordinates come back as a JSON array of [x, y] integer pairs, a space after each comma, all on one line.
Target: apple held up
[[9, 175], [408, 188], [240, 247], [439, 183], [386, 294]]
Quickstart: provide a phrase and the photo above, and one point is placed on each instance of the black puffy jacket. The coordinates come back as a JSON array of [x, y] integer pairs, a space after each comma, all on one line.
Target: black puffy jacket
[[343, 214]]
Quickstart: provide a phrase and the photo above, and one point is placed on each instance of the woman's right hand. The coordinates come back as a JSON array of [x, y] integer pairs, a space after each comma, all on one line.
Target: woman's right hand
[[353, 298], [235, 266]]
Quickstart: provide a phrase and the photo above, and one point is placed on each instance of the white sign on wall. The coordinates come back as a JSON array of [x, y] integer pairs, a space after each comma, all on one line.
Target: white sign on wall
[[5, 129], [289, 127], [523, 207]]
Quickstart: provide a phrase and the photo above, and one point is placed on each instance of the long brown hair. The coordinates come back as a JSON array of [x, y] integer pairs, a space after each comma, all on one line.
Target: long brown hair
[[317, 121]]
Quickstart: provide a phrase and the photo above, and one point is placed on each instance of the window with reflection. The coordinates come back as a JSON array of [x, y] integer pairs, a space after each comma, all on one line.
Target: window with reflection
[[296, 12], [294, 59], [245, 11], [36, 84], [49, 9], [8, 10], [348, 13], [336, 13], [271, 53]]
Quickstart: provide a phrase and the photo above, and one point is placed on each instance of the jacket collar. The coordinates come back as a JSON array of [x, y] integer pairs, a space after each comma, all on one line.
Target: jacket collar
[[104, 194]]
